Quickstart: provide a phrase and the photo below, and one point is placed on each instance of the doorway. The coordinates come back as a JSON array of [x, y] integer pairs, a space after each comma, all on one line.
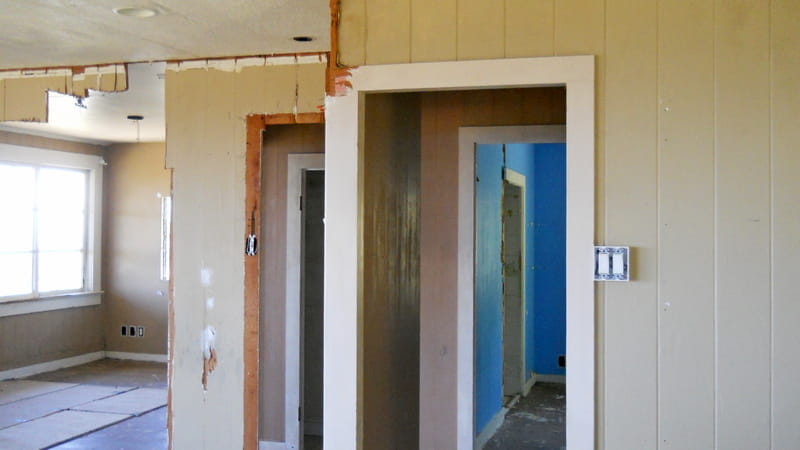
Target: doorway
[[304, 300]]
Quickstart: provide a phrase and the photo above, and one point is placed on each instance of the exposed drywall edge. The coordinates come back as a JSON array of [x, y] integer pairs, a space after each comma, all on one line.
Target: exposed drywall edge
[[137, 356], [34, 369], [237, 64], [49, 304], [271, 445]]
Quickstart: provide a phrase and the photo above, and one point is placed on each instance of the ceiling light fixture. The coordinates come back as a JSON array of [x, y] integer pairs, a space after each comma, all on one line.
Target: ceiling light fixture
[[135, 11], [136, 118], [303, 38]]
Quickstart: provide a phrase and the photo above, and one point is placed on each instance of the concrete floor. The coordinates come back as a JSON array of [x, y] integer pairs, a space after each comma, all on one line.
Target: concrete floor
[[147, 431], [535, 422]]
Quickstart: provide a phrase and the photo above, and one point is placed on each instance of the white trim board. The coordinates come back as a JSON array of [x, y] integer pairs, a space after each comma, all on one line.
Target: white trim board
[[297, 165], [491, 428], [49, 366], [271, 445], [344, 131]]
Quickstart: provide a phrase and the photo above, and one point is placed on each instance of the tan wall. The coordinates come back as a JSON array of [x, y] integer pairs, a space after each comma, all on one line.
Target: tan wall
[[206, 110], [46, 336], [696, 169], [279, 141], [134, 292]]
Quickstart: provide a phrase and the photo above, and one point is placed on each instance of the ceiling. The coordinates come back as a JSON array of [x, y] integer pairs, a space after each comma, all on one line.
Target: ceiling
[[52, 33], [57, 33], [103, 117]]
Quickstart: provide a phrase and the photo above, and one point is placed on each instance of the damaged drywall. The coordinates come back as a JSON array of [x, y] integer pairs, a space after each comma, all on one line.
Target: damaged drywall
[[23, 93]]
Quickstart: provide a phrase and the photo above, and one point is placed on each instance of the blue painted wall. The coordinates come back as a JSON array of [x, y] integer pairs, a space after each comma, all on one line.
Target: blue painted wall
[[488, 284], [544, 167]]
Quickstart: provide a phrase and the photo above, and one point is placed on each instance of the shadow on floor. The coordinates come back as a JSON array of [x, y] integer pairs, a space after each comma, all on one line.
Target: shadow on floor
[[538, 421]]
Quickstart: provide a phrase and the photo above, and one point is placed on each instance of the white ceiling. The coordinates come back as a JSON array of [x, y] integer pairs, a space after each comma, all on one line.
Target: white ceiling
[[57, 33], [104, 120], [52, 33]]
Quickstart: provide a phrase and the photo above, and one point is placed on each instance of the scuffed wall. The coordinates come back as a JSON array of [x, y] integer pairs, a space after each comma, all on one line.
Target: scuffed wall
[[697, 104], [206, 107], [134, 292], [23, 93]]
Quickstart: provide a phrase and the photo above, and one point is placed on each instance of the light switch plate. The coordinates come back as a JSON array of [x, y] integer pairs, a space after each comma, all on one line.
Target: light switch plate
[[611, 263]]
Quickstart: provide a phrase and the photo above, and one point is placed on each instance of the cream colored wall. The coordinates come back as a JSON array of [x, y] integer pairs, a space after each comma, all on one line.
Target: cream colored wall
[[697, 165], [205, 112], [134, 291]]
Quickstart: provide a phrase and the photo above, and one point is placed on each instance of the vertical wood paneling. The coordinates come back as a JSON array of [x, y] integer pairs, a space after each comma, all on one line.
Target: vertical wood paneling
[[631, 207], [785, 50], [481, 32], [686, 199], [389, 31], [433, 30], [391, 272], [743, 224], [529, 28], [352, 33]]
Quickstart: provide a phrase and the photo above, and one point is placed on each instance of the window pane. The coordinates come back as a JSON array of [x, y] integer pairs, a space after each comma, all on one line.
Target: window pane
[[16, 188], [61, 231], [62, 190], [16, 232], [16, 271], [60, 271]]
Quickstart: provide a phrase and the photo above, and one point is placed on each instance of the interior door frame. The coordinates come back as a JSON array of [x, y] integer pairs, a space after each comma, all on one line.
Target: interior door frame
[[344, 138], [298, 164]]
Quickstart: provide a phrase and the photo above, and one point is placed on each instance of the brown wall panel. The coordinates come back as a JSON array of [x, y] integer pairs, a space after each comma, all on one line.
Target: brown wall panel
[[391, 272]]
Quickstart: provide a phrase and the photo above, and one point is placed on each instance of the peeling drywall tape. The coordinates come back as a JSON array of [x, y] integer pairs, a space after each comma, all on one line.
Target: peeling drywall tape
[[237, 64], [208, 339]]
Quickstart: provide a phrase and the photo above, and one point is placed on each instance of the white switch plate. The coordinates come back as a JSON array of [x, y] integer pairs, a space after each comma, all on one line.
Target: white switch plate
[[611, 263]]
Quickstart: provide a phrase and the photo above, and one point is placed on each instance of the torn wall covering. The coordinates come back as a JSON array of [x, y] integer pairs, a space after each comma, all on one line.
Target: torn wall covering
[[23, 93], [207, 103]]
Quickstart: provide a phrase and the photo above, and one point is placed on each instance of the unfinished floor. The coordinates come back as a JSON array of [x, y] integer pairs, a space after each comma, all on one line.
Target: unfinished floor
[[535, 422], [103, 404]]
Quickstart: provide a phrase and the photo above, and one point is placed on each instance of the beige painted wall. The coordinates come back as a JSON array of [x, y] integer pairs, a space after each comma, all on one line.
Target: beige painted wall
[[46, 336], [206, 110], [697, 168], [134, 292]]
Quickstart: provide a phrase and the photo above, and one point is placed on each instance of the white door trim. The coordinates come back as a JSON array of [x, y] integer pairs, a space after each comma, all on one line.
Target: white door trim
[[344, 131], [297, 164]]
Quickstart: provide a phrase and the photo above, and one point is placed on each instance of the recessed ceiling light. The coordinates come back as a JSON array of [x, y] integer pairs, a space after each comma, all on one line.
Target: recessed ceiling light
[[135, 11], [303, 38], [135, 117]]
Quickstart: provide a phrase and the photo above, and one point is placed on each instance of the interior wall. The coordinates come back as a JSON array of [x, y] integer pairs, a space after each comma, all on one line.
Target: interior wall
[[46, 336], [206, 109], [695, 147], [278, 142], [442, 114], [390, 292], [135, 295]]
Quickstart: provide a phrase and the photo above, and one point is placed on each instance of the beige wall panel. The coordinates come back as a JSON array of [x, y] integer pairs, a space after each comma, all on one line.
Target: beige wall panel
[[255, 98], [632, 219], [121, 83], [352, 32], [2, 100], [786, 222], [26, 99], [686, 258], [134, 292], [311, 87], [743, 224], [83, 83], [433, 30], [47, 336], [28, 140], [480, 31], [529, 28], [389, 30], [281, 89], [279, 141]]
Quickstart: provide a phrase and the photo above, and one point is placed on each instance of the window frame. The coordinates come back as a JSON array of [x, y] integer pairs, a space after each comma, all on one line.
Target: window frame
[[91, 294]]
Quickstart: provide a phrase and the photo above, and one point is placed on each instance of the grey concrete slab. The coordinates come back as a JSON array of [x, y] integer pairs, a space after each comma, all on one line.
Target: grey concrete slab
[[55, 428], [15, 390], [133, 402]]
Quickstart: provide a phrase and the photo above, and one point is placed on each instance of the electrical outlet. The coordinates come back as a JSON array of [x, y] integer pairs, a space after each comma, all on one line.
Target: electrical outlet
[[140, 331], [123, 331], [562, 361]]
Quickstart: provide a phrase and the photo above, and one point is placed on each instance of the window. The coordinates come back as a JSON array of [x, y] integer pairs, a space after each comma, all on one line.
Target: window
[[49, 227]]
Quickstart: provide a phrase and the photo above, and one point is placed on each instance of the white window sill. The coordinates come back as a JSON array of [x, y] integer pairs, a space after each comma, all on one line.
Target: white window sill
[[50, 303]]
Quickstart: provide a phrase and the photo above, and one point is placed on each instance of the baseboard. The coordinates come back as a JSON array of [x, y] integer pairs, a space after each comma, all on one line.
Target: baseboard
[[271, 445], [541, 378], [491, 428], [137, 356], [526, 389], [26, 371]]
